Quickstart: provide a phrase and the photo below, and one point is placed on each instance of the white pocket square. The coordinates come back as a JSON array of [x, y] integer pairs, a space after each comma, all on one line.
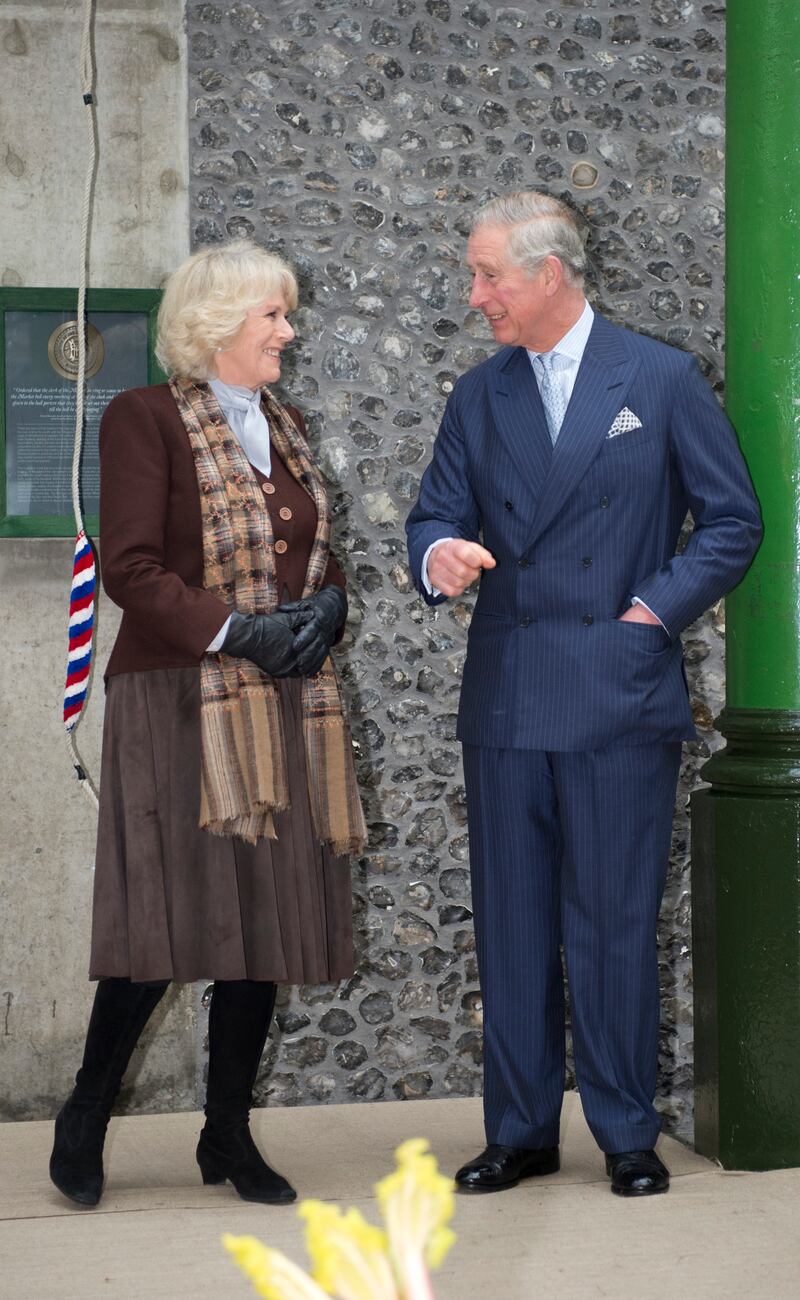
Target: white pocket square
[[625, 421]]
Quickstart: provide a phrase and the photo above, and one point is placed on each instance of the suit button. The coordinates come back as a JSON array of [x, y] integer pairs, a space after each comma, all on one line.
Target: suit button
[[604, 503], [524, 564], [509, 505], [525, 622], [587, 561], [281, 547], [587, 620]]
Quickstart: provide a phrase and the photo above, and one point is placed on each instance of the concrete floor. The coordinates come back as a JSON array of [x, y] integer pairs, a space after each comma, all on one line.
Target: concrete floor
[[156, 1233]]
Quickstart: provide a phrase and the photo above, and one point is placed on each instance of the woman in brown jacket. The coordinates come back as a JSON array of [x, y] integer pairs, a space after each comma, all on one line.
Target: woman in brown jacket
[[228, 802]]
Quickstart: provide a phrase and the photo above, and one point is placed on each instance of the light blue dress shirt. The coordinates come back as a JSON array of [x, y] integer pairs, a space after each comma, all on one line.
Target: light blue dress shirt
[[242, 409], [569, 350]]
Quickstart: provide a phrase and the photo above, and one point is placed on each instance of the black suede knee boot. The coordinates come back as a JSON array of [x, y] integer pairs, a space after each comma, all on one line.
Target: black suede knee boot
[[238, 1024], [120, 1012]]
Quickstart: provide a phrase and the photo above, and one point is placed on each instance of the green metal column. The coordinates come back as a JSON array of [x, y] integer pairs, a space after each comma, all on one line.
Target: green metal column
[[746, 826]]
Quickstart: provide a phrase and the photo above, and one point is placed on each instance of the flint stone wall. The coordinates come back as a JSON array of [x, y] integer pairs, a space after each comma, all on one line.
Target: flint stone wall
[[357, 139]]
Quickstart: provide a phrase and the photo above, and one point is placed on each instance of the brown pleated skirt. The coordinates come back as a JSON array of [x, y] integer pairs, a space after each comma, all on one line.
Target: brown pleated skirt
[[174, 902]]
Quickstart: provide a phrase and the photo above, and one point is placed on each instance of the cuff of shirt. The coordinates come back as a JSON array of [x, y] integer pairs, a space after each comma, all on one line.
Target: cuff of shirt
[[219, 639], [636, 601], [432, 591]]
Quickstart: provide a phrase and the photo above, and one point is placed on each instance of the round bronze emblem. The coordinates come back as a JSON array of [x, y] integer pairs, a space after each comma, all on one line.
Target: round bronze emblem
[[62, 349]]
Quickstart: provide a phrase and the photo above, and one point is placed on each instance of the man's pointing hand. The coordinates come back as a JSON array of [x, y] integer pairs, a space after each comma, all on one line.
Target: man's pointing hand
[[454, 565]]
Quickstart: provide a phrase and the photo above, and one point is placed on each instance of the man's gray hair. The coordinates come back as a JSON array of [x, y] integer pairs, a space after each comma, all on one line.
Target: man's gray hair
[[541, 227]]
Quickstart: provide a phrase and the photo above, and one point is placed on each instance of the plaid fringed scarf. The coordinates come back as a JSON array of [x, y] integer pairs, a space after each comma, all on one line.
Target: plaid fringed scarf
[[243, 774]]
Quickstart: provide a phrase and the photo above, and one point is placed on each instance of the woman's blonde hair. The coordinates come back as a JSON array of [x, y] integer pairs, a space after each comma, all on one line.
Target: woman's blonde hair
[[206, 301]]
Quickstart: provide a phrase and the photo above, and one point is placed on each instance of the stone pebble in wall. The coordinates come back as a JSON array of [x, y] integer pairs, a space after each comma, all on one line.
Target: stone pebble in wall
[[357, 140]]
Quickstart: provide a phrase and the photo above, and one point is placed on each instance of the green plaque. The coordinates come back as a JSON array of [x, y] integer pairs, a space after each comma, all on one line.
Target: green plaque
[[39, 358]]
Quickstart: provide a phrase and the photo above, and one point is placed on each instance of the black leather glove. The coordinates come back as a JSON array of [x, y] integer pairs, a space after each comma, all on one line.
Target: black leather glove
[[326, 612], [267, 640]]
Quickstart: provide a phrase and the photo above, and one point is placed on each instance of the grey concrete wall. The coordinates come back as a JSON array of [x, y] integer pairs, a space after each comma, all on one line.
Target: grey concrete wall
[[357, 139], [140, 233], [139, 215]]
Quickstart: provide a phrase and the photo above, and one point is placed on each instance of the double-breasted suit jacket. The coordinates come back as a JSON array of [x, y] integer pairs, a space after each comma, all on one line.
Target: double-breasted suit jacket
[[579, 529]]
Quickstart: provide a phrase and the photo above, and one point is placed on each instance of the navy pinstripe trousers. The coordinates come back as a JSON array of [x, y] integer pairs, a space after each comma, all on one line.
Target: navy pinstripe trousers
[[570, 848]]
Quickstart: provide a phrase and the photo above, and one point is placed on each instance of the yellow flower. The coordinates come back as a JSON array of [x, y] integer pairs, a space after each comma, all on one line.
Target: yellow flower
[[352, 1260], [273, 1275], [417, 1203], [347, 1253]]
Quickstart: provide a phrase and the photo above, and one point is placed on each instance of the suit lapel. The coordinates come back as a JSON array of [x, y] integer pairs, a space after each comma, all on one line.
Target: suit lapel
[[605, 374], [519, 417]]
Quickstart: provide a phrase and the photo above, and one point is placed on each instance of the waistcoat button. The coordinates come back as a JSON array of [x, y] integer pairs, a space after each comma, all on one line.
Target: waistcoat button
[[281, 547], [268, 487]]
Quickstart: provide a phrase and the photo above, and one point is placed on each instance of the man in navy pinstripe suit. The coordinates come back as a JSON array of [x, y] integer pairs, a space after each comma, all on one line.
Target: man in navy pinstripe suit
[[561, 476]]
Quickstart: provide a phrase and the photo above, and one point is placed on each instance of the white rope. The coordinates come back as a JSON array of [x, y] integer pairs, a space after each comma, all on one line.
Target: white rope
[[87, 90]]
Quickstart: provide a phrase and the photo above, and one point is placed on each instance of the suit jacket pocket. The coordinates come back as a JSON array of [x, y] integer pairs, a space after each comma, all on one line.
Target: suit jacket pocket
[[482, 621], [631, 439], [650, 638]]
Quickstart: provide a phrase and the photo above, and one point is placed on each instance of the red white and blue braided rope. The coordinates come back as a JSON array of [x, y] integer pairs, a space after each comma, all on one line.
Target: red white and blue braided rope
[[81, 630]]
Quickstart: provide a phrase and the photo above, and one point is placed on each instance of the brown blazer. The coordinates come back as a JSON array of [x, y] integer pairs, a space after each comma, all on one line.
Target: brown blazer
[[151, 542]]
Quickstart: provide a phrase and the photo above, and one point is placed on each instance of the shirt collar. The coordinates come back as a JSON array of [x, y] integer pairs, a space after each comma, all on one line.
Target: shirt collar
[[573, 343], [233, 395]]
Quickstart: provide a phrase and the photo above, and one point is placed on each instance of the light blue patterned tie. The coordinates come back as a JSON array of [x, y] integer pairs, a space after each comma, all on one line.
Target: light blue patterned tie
[[551, 392]]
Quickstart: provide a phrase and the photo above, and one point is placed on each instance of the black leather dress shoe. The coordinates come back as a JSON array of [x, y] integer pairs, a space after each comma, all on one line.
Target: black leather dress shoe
[[637, 1173], [500, 1167]]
